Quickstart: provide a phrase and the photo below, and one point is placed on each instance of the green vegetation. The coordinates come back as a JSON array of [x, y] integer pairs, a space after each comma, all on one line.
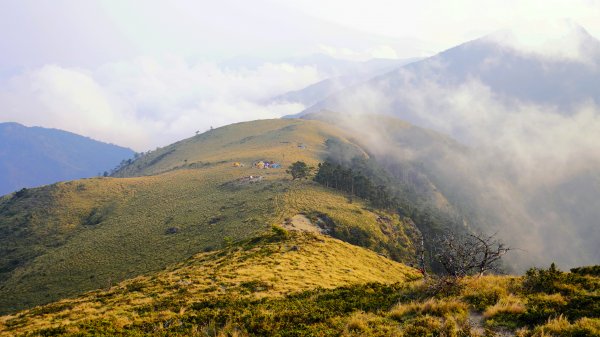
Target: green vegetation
[[355, 222], [264, 287], [550, 294], [411, 199], [180, 241], [79, 239], [211, 286], [299, 170], [246, 142], [64, 239], [355, 183], [589, 270]]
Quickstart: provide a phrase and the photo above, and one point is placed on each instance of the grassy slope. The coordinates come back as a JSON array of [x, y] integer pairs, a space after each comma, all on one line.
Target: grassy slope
[[275, 139], [239, 290], [267, 266], [272, 286], [71, 237]]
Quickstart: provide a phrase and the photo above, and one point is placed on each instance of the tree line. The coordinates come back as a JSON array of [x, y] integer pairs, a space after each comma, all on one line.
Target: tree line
[[455, 254], [355, 183]]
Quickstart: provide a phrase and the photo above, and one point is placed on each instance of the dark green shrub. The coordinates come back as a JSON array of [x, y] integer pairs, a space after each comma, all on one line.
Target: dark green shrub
[[21, 193], [299, 170], [583, 306], [542, 281], [540, 309], [483, 299], [589, 270], [255, 285], [50, 308], [57, 331], [135, 286], [279, 233]]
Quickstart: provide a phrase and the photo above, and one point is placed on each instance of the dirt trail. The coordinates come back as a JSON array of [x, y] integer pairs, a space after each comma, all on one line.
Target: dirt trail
[[476, 320], [478, 326]]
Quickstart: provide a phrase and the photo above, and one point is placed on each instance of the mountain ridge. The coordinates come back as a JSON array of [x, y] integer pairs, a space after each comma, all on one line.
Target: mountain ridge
[[507, 70], [34, 156], [171, 203], [193, 239]]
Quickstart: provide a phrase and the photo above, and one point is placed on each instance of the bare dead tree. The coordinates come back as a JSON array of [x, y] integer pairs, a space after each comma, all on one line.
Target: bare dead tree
[[421, 255], [469, 254]]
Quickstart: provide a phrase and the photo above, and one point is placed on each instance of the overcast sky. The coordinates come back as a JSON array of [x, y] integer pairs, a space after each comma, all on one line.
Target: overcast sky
[[147, 73]]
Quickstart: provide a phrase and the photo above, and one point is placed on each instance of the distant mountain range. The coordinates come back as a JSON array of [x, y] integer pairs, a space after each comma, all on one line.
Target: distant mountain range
[[511, 74], [344, 75], [34, 156]]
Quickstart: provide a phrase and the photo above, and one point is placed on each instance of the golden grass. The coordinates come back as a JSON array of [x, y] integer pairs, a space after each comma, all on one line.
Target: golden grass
[[191, 190], [488, 283], [130, 239], [360, 323], [304, 262], [246, 142], [432, 306], [555, 299], [324, 262], [357, 323], [506, 305], [560, 326]]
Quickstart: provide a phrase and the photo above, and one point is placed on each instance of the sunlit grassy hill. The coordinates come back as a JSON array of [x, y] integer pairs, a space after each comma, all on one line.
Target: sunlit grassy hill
[[265, 267], [305, 284], [279, 140], [182, 242], [63, 239]]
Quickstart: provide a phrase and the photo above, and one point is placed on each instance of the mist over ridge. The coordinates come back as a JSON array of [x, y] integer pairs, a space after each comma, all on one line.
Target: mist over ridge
[[524, 101], [531, 122]]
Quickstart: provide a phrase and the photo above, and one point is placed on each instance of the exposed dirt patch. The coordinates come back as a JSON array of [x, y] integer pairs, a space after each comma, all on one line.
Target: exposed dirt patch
[[300, 222]]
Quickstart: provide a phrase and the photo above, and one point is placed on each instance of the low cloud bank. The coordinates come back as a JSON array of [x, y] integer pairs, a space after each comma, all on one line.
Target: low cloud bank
[[150, 102], [531, 171]]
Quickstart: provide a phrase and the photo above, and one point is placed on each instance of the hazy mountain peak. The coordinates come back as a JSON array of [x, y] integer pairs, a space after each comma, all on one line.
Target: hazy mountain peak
[[6, 125], [558, 39]]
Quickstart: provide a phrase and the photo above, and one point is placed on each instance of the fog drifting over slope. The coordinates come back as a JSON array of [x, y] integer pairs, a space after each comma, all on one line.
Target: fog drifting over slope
[[530, 174], [533, 169], [523, 157]]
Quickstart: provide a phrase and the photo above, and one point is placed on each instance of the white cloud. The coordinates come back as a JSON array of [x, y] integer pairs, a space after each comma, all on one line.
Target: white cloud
[[149, 102], [68, 99], [550, 39], [532, 168], [380, 51], [443, 24], [384, 52], [527, 138], [529, 169]]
